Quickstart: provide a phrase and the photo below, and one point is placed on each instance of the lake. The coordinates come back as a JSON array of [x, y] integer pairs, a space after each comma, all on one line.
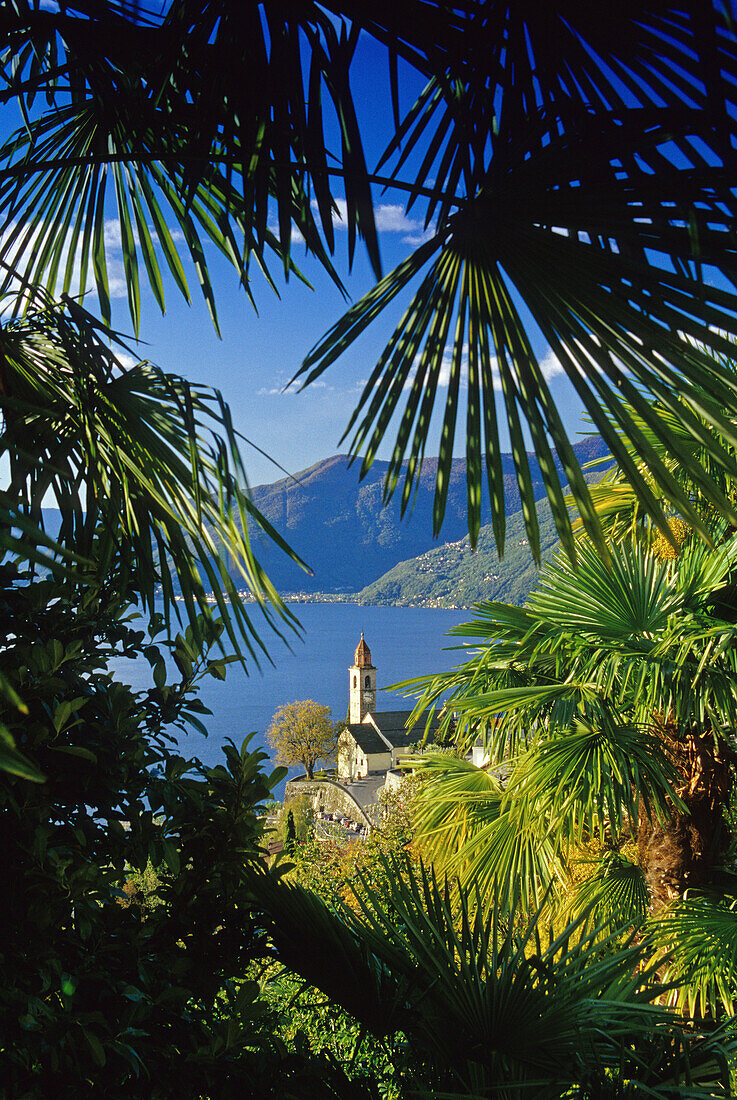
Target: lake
[[404, 642]]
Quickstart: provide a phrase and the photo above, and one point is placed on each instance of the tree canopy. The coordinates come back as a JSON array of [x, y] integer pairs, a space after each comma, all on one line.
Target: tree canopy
[[303, 733]]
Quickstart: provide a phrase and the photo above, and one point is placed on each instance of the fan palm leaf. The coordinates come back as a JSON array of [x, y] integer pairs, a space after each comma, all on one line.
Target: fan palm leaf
[[159, 126], [472, 830], [570, 203], [697, 938], [138, 463], [498, 1006], [617, 891], [632, 629], [596, 774], [566, 693]]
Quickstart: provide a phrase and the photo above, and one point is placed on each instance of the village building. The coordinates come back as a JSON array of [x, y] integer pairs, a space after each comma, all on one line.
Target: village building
[[373, 740]]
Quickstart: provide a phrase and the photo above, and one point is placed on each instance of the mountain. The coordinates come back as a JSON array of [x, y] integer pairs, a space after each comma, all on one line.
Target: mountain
[[338, 526], [454, 575]]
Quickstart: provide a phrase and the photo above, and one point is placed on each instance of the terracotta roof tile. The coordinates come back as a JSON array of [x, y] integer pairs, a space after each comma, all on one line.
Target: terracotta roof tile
[[363, 655]]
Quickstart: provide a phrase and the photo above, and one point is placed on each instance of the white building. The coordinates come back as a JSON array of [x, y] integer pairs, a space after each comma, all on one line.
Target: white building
[[373, 741]]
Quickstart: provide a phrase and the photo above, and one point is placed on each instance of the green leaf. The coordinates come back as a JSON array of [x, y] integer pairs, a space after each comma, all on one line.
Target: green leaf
[[14, 762]]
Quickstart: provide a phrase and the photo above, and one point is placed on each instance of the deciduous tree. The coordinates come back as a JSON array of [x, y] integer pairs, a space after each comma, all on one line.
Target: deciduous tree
[[303, 733]]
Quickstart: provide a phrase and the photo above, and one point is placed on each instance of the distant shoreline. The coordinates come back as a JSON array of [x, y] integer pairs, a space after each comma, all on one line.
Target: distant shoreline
[[430, 604]]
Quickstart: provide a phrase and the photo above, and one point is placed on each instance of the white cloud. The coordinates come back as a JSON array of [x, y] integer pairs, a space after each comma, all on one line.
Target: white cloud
[[126, 361], [550, 365], [416, 239], [289, 389], [390, 217], [295, 235], [445, 368], [111, 233], [22, 249], [114, 240]]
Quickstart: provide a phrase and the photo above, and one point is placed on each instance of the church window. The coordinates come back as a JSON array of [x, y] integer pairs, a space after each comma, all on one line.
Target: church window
[[367, 683], [355, 681]]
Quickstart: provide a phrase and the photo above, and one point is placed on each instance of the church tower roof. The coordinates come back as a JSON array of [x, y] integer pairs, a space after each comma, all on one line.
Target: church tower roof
[[362, 658]]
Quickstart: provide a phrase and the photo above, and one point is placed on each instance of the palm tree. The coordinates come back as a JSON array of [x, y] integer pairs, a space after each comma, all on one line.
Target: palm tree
[[489, 1002], [558, 179], [574, 175], [606, 706]]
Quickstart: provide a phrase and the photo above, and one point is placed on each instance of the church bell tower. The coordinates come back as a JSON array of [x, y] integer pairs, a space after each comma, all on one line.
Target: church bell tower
[[362, 684]]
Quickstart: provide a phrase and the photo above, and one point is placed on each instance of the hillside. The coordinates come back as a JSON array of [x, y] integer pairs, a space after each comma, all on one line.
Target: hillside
[[454, 575], [337, 524]]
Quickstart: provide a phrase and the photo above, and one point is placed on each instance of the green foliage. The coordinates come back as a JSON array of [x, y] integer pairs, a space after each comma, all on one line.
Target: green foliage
[[617, 891], [575, 174], [697, 946], [303, 733], [333, 868], [131, 456], [603, 707], [379, 1065], [290, 836], [295, 819], [141, 888], [495, 1002], [97, 988]]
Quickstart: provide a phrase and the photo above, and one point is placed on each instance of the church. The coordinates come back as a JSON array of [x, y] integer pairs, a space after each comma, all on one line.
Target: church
[[373, 740]]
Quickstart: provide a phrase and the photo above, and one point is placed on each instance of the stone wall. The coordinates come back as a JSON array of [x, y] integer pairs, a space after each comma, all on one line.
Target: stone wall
[[327, 796]]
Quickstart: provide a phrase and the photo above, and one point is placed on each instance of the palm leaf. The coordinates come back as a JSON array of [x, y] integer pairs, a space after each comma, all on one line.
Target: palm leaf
[[496, 1000], [133, 457], [617, 891], [599, 773], [128, 118], [586, 207], [699, 954]]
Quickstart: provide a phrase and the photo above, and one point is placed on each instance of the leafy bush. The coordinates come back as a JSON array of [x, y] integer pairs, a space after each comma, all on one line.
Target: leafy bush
[[92, 798]]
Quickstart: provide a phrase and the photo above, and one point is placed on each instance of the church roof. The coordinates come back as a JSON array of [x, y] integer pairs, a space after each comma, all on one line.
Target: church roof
[[367, 738], [393, 725], [362, 658]]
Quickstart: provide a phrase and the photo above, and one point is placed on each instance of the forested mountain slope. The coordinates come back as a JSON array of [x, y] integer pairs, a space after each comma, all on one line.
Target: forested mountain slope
[[338, 526], [454, 575]]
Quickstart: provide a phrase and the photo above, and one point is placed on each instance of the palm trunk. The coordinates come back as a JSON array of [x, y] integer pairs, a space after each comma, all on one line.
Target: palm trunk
[[684, 852]]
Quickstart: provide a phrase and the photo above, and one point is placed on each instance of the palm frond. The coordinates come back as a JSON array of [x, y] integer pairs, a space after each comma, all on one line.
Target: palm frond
[[599, 773], [454, 800], [697, 939], [637, 631], [632, 593], [137, 460], [575, 203], [472, 829], [159, 125], [489, 996], [617, 892]]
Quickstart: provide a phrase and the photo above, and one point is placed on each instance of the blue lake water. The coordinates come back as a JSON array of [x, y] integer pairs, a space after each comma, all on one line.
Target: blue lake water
[[404, 642]]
